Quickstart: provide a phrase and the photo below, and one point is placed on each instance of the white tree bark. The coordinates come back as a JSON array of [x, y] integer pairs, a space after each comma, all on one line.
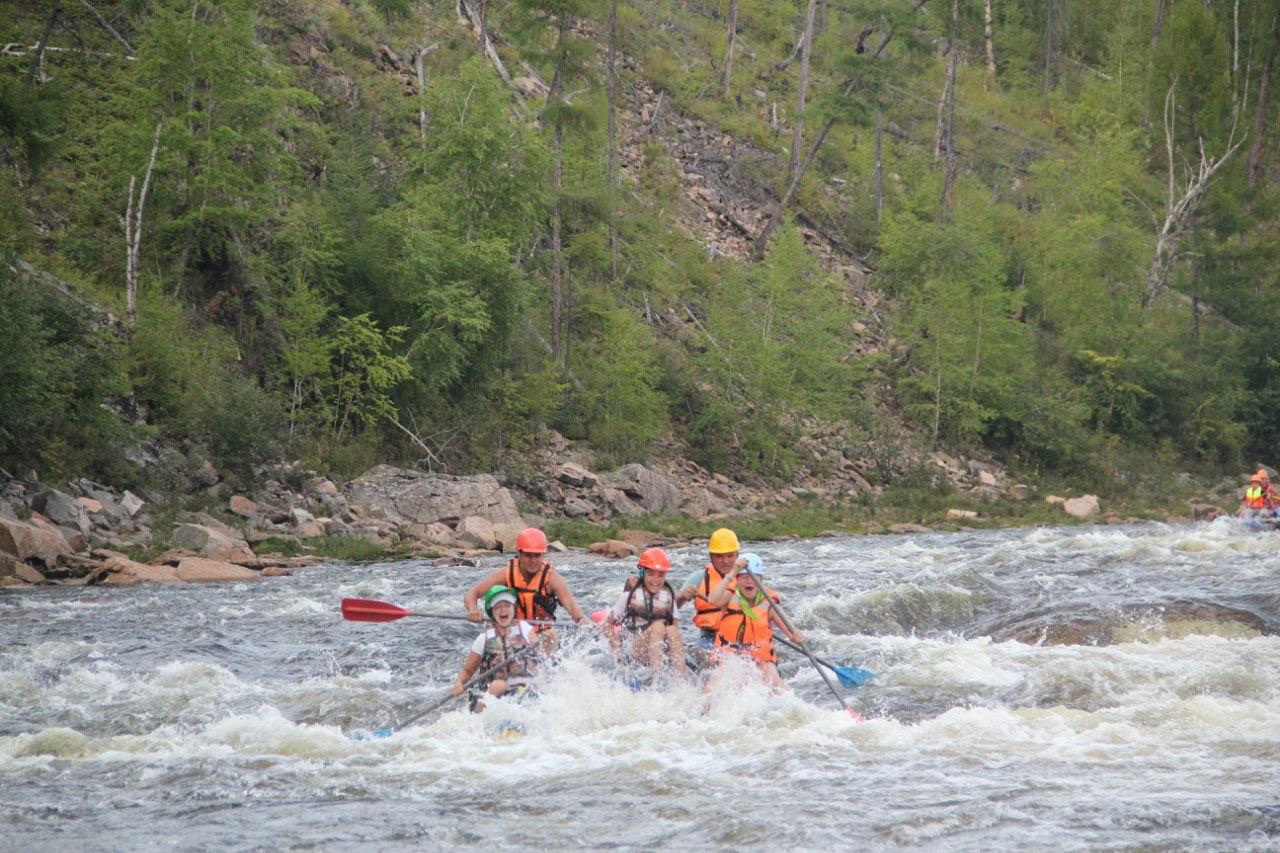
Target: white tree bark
[[1181, 203], [133, 229], [727, 73], [988, 34], [802, 90]]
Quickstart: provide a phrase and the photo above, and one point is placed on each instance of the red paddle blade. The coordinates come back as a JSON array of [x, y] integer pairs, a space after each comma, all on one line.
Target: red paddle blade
[[369, 610]]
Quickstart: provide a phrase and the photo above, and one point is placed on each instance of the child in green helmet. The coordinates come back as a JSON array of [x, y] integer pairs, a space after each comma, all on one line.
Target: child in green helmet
[[504, 650]]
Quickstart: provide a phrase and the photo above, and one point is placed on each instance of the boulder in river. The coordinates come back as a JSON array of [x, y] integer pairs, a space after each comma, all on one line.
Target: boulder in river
[[908, 527], [1085, 506], [1206, 512], [409, 497], [613, 548]]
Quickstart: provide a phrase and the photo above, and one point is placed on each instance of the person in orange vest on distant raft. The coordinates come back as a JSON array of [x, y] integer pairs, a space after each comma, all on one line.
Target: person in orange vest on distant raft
[[646, 612], [1259, 497], [748, 619], [538, 586], [722, 550]]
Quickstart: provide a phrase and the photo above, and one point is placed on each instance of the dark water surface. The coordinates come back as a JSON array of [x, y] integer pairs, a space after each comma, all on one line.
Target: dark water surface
[[1074, 688]]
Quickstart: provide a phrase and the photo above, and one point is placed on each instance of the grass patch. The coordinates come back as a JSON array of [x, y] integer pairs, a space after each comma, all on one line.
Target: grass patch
[[349, 549]]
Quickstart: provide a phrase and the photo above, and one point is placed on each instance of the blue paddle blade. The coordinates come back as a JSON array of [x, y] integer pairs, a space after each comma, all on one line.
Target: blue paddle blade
[[852, 676]]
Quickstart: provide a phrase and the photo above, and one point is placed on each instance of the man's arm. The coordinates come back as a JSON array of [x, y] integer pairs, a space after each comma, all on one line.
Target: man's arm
[[470, 597], [561, 590]]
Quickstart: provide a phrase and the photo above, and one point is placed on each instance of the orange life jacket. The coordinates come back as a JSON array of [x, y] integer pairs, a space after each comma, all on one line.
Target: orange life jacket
[[534, 603], [738, 630], [1254, 498], [705, 614]]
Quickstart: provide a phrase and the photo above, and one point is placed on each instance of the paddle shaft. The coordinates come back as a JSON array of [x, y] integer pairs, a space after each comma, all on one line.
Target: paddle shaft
[[796, 648], [790, 629], [457, 618], [470, 681]]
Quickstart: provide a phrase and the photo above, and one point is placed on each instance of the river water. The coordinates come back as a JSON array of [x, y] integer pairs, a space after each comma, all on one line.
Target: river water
[[1072, 688]]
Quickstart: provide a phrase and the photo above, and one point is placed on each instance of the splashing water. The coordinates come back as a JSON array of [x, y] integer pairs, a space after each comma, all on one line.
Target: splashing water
[[1057, 688]]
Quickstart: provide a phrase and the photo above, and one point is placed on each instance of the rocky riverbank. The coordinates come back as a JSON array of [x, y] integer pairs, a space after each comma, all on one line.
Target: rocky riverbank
[[88, 533]]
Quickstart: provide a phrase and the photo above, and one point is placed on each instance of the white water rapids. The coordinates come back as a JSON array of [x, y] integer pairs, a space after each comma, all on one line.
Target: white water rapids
[[1060, 688]]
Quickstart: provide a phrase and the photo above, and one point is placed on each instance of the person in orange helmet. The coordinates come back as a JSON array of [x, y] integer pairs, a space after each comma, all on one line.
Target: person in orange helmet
[[538, 586], [1259, 497], [646, 611]]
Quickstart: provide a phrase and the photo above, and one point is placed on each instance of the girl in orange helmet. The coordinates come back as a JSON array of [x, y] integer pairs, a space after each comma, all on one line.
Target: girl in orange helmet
[[748, 619], [647, 613]]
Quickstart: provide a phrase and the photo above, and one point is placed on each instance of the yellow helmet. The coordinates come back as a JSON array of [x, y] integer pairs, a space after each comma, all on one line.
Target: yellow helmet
[[723, 541]]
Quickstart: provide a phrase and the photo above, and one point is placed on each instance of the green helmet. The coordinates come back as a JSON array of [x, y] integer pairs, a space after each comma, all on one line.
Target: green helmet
[[498, 594]]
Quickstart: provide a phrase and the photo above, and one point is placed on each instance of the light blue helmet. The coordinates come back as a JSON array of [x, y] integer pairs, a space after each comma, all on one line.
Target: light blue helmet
[[755, 564]]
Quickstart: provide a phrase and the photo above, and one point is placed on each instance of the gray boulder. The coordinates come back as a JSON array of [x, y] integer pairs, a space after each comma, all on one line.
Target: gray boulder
[[62, 509], [653, 490], [415, 497]]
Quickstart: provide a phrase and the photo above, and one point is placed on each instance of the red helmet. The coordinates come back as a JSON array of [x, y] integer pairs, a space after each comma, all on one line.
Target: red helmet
[[655, 560], [532, 541]]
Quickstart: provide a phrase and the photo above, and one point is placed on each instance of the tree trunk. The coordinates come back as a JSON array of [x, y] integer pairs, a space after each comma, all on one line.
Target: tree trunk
[[727, 73], [1159, 23], [422, 92], [878, 175], [780, 209], [802, 89], [37, 60], [613, 140], [557, 259], [133, 230], [944, 101], [106, 25], [1049, 9], [1260, 109], [988, 34]]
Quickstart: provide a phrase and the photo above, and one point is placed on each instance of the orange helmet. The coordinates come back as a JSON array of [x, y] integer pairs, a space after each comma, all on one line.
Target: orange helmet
[[532, 541], [655, 560], [1260, 475]]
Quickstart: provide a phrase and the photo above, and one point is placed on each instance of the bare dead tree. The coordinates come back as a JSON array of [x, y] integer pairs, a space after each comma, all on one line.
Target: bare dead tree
[[944, 103], [988, 35], [133, 229], [802, 89], [418, 56], [727, 73], [106, 25], [1260, 108], [848, 87], [1181, 202], [1158, 26], [878, 174], [37, 60], [612, 166]]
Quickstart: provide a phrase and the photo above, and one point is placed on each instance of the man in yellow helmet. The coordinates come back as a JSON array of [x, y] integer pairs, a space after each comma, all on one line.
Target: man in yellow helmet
[[722, 551]]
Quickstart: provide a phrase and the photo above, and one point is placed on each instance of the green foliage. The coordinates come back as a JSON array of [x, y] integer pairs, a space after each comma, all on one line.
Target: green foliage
[[54, 381], [768, 355], [29, 119], [364, 372], [620, 407]]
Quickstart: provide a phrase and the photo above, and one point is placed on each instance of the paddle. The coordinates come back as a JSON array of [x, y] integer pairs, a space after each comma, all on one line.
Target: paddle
[[472, 680], [372, 610], [848, 676], [773, 605]]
